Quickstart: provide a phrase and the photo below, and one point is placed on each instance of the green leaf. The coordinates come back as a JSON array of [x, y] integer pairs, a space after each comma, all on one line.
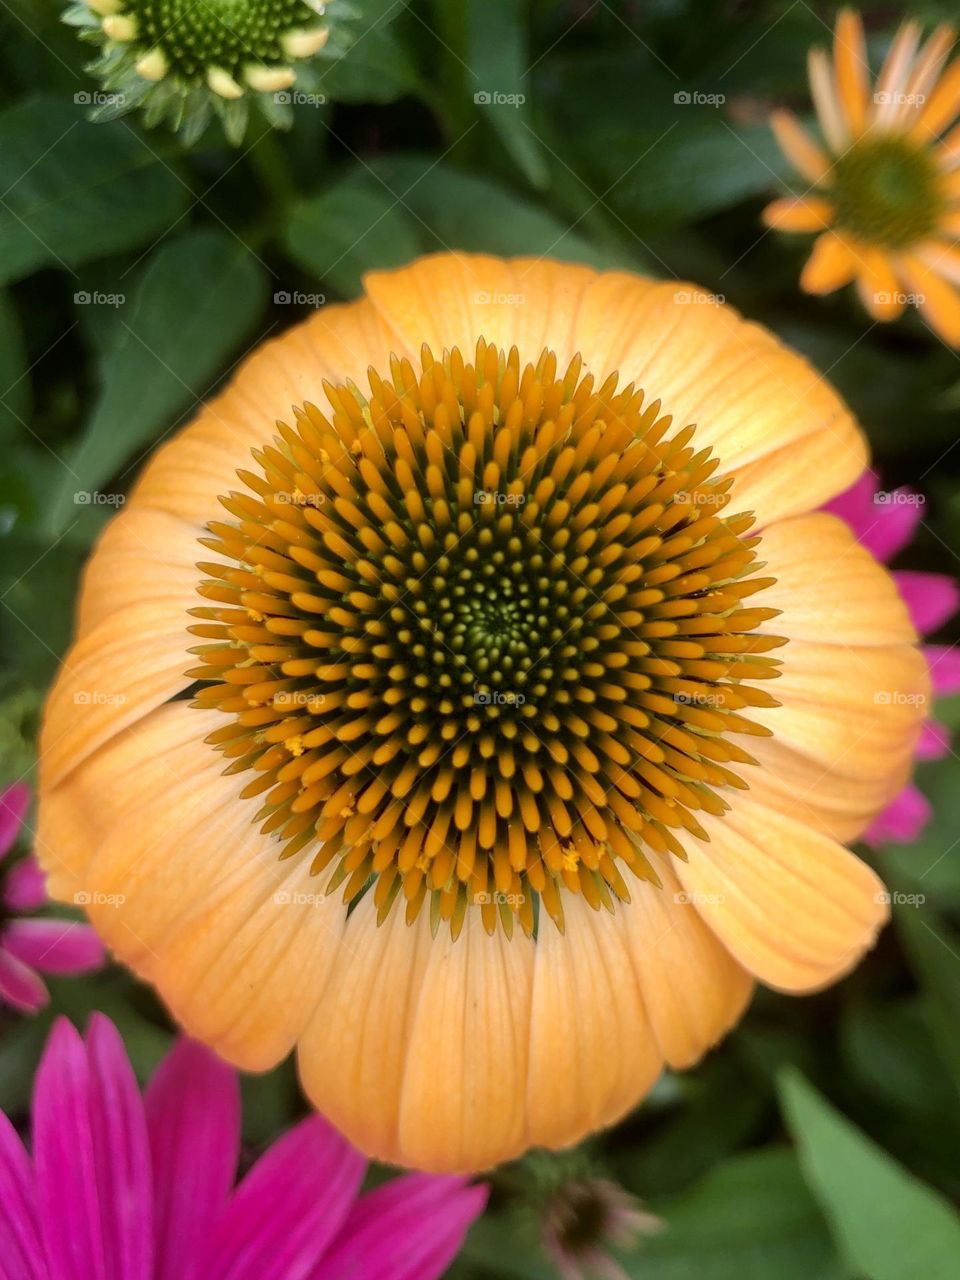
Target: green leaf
[[459, 210], [74, 191], [351, 227], [197, 299], [887, 1225], [376, 66], [498, 59], [14, 382]]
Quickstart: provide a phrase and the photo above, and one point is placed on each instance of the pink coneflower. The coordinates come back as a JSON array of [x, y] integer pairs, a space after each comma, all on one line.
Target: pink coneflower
[[884, 522], [34, 946], [128, 1188]]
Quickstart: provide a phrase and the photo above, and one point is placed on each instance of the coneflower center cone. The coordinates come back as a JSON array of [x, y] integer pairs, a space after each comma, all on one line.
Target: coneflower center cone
[[886, 191], [483, 637]]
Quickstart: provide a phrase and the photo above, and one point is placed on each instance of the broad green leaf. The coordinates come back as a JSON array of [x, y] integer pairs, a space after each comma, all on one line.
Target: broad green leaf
[[14, 380], [460, 210], [196, 301], [887, 1224], [376, 66], [74, 191], [349, 228], [498, 59]]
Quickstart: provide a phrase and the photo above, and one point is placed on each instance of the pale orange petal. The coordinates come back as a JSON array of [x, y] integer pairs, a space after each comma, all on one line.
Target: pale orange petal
[[923, 78], [938, 300], [794, 907], [799, 148], [895, 74], [799, 213], [185, 890], [832, 263], [852, 69], [944, 259], [826, 101], [592, 1052]]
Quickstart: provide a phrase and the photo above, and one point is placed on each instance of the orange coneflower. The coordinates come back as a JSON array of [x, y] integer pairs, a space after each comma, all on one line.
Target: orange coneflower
[[471, 786], [885, 186]]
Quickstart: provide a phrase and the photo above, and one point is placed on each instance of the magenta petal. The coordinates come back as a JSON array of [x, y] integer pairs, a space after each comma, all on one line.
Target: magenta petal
[[122, 1155], [944, 663], [54, 946], [288, 1208], [903, 819], [931, 598], [21, 1252], [411, 1228], [14, 802], [193, 1116], [19, 985], [855, 505], [893, 524], [25, 888], [63, 1154], [934, 741]]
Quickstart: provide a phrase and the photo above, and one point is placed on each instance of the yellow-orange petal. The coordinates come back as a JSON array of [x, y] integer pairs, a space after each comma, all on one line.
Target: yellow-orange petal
[[800, 149], [895, 75], [926, 70], [942, 258], [799, 213], [852, 69], [941, 108], [938, 300], [794, 907], [833, 263], [186, 891], [878, 285]]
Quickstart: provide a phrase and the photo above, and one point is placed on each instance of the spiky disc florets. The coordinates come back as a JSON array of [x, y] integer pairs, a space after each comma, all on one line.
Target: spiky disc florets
[[482, 636]]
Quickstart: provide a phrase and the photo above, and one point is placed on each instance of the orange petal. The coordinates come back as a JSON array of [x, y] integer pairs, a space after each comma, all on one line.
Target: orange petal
[[852, 69], [878, 284], [938, 300], [795, 908], [799, 213], [832, 263], [799, 148], [941, 108], [895, 75]]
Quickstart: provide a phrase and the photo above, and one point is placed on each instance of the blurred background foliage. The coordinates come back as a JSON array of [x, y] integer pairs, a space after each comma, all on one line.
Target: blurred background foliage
[[821, 1140]]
